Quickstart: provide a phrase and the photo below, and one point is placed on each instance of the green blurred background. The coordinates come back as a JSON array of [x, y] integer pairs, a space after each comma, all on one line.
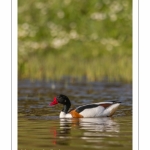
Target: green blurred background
[[75, 38]]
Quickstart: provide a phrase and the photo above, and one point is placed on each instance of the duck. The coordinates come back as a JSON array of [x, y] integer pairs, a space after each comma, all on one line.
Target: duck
[[93, 110]]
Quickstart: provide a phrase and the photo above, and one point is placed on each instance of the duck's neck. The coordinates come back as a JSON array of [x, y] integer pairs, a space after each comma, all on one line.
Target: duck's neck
[[64, 113], [66, 108]]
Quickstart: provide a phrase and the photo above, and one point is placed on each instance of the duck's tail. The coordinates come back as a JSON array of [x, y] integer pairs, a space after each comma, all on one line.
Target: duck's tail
[[112, 109]]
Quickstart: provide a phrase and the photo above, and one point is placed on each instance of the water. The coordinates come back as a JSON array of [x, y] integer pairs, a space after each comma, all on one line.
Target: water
[[39, 127]]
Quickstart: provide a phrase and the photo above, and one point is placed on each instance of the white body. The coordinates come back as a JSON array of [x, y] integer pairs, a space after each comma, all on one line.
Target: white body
[[95, 112], [64, 115]]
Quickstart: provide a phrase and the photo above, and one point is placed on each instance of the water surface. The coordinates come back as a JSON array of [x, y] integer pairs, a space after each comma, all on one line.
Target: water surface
[[40, 128]]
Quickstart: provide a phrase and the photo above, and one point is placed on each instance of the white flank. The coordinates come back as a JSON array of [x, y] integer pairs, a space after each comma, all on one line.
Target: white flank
[[93, 112], [100, 111]]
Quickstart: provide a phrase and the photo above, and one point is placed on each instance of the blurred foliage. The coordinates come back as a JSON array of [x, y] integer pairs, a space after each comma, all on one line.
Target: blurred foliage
[[91, 38]]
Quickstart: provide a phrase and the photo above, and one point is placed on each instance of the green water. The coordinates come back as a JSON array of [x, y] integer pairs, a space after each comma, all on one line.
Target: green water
[[55, 134], [39, 127]]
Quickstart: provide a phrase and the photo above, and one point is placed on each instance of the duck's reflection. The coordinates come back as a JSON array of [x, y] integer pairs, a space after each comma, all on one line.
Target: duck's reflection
[[92, 128], [104, 124], [87, 129]]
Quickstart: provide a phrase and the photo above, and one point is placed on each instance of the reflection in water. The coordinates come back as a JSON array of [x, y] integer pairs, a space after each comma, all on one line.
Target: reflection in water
[[91, 124], [54, 133], [92, 128], [97, 128]]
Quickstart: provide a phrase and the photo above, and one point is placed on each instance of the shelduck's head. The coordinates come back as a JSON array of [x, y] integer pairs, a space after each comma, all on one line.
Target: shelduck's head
[[62, 99]]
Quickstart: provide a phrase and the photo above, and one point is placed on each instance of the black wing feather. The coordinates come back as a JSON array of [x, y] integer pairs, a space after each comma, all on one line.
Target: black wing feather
[[81, 108]]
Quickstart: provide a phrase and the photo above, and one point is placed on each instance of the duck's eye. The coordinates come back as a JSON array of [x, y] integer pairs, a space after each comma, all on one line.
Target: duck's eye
[[59, 96]]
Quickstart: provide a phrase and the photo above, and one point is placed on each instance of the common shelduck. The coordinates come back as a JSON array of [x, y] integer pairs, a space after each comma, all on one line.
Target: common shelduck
[[101, 109]]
